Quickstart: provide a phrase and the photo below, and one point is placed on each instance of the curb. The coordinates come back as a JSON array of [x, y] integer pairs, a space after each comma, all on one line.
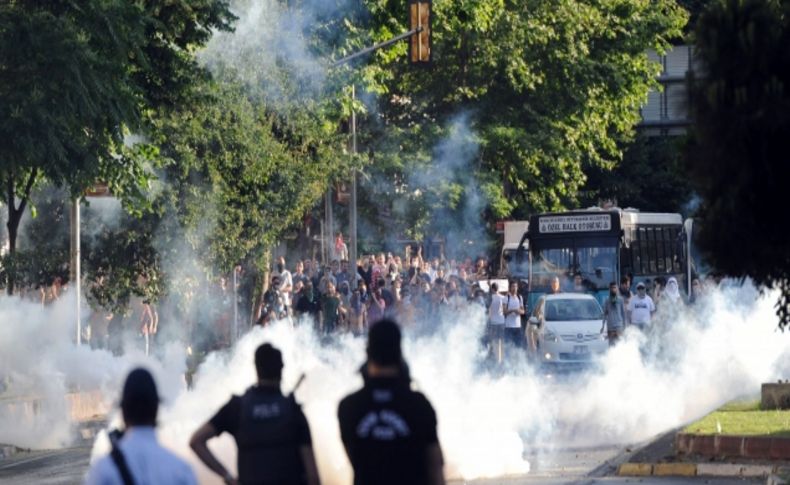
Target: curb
[[761, 447], [696, 469], [7, 451]]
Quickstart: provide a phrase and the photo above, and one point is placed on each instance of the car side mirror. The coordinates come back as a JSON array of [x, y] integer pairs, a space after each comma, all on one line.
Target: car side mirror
[[534, 321]]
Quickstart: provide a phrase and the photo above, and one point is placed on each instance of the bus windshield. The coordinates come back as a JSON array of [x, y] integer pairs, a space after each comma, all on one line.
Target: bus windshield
[[597, 266]]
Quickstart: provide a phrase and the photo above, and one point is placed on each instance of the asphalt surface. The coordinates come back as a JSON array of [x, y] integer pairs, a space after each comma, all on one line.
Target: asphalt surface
[[51, 467], [565, 466]]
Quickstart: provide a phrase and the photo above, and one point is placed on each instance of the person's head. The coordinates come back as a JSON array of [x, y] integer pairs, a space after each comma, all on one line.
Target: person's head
[[362, 287], [494, 288], [513, 287], [577, 280], [338, 236], [308, 265], [298, 286], [276, 281], [384, 351], [696, 286], [344, 289], [613, 289], [299, 267], [344, 265], [139, 399], [330, 288], [334, 266], [435, 263], [641, 289], [625, 283], [555, 284], [268, 363], [382, 259]]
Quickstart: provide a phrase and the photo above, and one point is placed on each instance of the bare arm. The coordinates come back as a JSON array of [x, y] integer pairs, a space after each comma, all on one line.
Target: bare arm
[[308, 459], [199, 446], [435, 465]]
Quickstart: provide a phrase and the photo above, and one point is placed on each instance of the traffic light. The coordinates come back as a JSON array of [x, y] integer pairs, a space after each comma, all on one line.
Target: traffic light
[[420, 42]]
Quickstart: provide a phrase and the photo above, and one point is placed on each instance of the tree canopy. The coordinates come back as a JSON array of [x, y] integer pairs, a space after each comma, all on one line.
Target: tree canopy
[[738, 158], [76, 80], [549, 90]]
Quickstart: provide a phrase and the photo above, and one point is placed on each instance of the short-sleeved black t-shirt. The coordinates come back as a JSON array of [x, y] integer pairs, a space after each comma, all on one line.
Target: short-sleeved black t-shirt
[[387, 429], [228, 418]]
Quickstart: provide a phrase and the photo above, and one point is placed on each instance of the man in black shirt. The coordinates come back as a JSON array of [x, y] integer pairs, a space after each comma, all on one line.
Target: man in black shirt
[[389, 431], [270, 430]]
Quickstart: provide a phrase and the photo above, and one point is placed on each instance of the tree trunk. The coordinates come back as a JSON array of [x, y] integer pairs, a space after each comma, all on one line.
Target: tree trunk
[[13, 228], [14, 218]]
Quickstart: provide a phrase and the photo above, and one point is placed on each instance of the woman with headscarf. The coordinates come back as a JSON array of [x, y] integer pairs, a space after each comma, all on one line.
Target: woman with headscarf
[[671, 301]]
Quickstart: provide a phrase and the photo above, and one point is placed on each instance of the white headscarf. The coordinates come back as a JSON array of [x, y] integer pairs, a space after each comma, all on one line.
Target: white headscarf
[[671, 291]]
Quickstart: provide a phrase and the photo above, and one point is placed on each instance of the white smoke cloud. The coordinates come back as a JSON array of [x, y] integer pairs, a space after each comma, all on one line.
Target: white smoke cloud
[[489, 421], [40, 365], [269, 50]]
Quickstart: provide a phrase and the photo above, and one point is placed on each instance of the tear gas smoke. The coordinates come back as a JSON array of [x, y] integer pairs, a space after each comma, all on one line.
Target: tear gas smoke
[[721, 350], [40, 365], [268, 49]]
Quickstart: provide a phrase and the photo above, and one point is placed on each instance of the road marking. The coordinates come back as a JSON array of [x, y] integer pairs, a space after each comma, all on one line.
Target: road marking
[[28, 460]]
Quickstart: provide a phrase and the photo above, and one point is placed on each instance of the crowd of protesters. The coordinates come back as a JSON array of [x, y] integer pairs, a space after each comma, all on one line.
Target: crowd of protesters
[[337, 297]]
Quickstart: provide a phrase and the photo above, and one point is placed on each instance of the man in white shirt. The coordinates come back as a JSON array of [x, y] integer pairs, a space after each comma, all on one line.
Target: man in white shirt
[[513, 309], [286, 283], [641, 308], [138, 458], [496, 322]]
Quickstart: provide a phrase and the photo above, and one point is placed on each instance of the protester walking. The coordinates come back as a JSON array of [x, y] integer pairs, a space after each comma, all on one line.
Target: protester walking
[[613, 314], [641, 308], [388, 430], [270, 429], [138, 458]]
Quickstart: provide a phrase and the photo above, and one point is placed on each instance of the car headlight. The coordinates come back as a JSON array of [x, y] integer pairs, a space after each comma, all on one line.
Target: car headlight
[[550, 337]]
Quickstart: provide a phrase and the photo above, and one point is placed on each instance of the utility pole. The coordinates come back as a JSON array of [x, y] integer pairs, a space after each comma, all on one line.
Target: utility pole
[[74, 268], [420, 53], [352, 250]]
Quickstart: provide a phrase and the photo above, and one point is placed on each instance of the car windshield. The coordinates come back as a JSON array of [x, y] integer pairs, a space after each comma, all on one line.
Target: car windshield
[[567, 310]]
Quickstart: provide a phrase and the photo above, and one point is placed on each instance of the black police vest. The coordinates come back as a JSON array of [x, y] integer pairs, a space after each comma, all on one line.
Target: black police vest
[[267, 439]]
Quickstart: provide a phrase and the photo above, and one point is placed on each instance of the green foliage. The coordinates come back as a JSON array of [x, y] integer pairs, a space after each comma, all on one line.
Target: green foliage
[[76, 77], [552, 90], [651, 177], [738, 160]]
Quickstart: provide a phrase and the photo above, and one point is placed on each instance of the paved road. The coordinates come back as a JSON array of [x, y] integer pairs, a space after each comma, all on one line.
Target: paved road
[[569, 466], [55, 467]]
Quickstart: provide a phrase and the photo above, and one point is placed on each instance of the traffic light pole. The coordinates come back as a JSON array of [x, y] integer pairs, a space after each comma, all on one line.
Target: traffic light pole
[[374, 47]]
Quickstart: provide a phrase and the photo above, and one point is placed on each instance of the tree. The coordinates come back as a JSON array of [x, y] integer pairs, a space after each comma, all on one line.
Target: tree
[[738, 158], [550, 90], [651, 177], [75, 79]]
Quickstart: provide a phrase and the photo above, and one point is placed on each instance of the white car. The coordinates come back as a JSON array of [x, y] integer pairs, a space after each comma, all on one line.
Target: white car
[[566, 329]]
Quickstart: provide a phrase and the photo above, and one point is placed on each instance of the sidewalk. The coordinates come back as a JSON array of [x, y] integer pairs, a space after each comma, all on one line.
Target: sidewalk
[[683, 455]]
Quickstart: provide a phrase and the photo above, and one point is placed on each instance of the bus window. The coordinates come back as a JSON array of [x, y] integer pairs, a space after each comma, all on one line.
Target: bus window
[[598, 265], [547, 263]]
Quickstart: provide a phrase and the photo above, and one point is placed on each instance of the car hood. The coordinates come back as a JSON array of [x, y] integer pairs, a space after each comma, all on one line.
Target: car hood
[[573, 329]]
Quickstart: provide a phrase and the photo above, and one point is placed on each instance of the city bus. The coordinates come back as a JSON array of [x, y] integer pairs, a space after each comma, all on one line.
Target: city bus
[[604, 245]]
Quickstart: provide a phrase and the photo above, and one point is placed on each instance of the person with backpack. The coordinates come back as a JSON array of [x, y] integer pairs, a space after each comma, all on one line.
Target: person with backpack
[[270, 429], [138, 458]]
